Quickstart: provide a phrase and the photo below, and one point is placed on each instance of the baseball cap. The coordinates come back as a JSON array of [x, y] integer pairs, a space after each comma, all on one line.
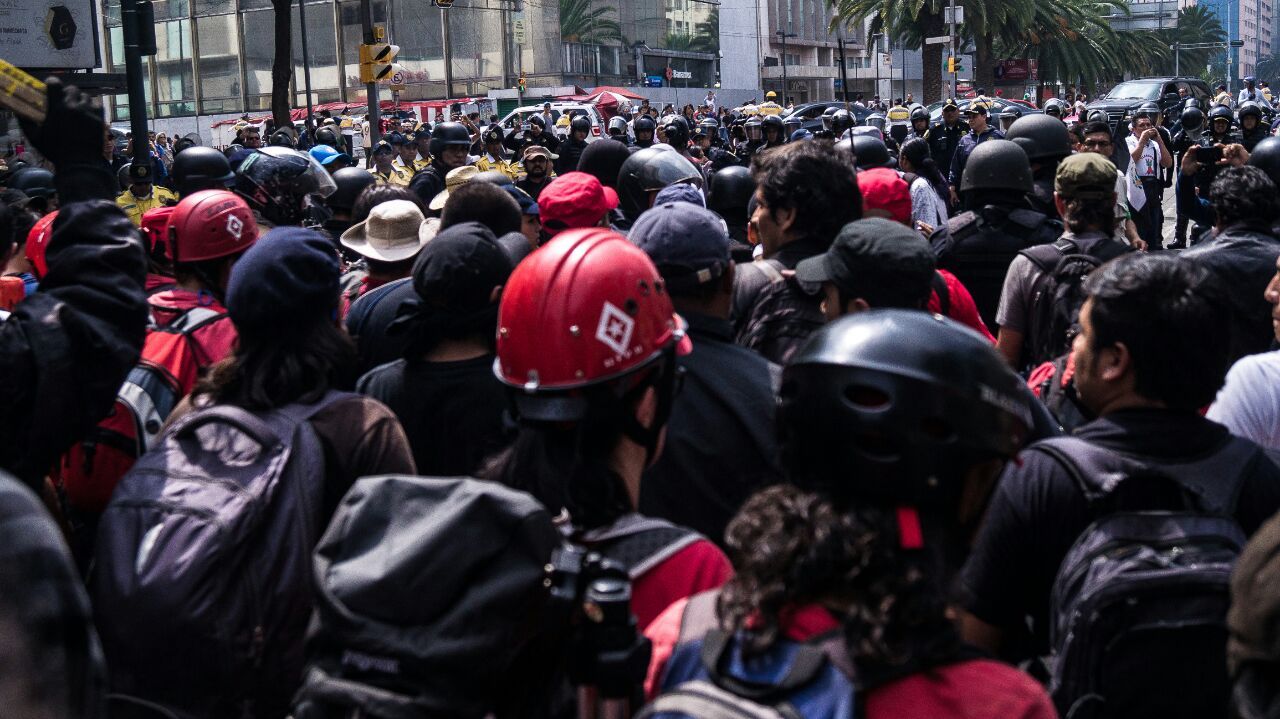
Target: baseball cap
[[889, 251], [975, 108], [539, 150], [681, 192], [383, 146], [391, 233], [395, 138], [325, 154], [528, 206], [456, 178], [458, 270], [1085, 176], [884, 191], [574, 199], [289, 274], [688, 244]]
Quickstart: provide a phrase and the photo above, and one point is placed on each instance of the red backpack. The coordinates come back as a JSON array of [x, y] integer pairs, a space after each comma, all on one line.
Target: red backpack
[[166, 372]]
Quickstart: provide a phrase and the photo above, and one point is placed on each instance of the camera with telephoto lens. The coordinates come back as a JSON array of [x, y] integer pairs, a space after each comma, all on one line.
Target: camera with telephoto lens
[[607, 652]]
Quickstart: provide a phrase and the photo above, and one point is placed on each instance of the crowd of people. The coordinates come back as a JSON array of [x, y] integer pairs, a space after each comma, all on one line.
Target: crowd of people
[[894, 420]]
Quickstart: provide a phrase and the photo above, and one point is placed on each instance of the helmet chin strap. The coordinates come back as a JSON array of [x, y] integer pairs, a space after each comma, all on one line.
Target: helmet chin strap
[[663, 380]]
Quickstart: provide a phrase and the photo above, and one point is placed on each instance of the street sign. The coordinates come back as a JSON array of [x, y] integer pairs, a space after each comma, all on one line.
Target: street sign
[[886, 59], [397, 80], [938, 40], [946, 15], [518, 31]]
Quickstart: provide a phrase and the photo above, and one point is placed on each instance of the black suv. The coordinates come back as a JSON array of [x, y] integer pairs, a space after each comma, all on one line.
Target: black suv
[[1163, 91]]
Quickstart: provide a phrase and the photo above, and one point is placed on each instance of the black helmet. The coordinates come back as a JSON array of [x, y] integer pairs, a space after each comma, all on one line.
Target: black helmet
[[644, 123], [201, 168], [676, 130], [445, 134], [617, 127], [773, 122], [896, 406], [122, 176], [729, 192], [1098, 116], [581, 123], [185, 142], [281, 138], [1010, 112], [919, 113], [1041, 137], [649, 170], [1220, 112], [350, 181], [1148, 109], [841, 120], [533, 120], [997, 165], [792, 123], [1266, 156], [35, 181], [1249, 108], [869, 152], [326, 136], [1192, 118], [1053, 107], [826, 116], [280, 183]]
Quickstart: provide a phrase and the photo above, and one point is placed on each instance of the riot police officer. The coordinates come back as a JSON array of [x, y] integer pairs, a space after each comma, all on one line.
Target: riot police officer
[[729, 194], [825, 133], [996, 224], [644, 128], [774, 131], [979, 131], [1046, 142], [1219, 131], [755, 137], [1008, 116], [1053, 107], [919, 125], [944, 137], [572, 146], [1252, 129], [618, 129]]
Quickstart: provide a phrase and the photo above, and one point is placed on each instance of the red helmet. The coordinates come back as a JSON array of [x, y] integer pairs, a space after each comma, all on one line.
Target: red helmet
[[210, 224], [586, 308], [38, 241], [155, 229]]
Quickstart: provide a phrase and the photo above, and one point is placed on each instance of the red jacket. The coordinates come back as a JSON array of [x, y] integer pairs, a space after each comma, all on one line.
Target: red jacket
[[973, 689], [694, 569], [215, 340], [963, 309]]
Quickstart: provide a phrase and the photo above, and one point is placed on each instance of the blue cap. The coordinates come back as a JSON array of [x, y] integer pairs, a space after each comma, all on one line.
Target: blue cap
[[395, 138], [682, 192], [801, 134], [528, 205], [1250, 79], [689, 244], [325, 154], [290, 273]]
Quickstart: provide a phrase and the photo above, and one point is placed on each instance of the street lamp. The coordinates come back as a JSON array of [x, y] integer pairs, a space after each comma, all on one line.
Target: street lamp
[[783, 37], [875, 61]]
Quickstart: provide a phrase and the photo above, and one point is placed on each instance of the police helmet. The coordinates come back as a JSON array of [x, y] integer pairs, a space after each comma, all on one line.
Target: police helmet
[[447, 134], [1192, 118], [1041, 137], [282, 183], [729, 192], [617, 127], [350, 182], [581, 123], [997, 165], [676, 129], [649, 170], [1266, 156], [201, 168], [870, 152]]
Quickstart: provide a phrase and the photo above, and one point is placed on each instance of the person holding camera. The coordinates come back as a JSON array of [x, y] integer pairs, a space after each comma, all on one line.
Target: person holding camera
[[587, 347], [532, 132], [1145, 188]]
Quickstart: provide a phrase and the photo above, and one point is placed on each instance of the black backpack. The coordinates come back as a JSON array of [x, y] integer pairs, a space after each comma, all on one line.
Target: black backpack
[[430, 596], [782, 316], [1055, 312], [202, 585], [1139, 605]]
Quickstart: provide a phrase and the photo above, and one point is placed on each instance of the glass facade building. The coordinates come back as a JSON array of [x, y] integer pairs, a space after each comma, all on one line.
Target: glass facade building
[[214, 57]]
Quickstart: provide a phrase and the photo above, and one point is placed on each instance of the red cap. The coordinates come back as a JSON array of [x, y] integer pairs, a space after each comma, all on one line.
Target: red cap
[[885, 194], [38, 242], [155, 229], [573, 200]]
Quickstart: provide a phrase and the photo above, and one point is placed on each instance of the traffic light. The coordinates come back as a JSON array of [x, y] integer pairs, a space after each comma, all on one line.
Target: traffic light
[[376, 61], [521, 83], [953, 64]]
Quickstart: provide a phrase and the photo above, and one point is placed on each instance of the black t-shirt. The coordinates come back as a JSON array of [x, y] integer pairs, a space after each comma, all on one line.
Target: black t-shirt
[[452, 412], [1038, 512]]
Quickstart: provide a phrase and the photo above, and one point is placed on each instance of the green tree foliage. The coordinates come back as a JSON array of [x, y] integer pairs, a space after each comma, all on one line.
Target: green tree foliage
[[587, 22]]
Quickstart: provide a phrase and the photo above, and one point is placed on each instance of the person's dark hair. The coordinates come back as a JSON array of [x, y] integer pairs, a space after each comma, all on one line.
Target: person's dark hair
[[817, 182], [1244, 195], [1161, 307], [390, 269], [1097, 126], [482, 202], [8, 239], [1083, 215], [23, 220], [1077, 133], [916, 150], [374, 195], [206, 272], [790, 548], [296, 363], [882, 291]]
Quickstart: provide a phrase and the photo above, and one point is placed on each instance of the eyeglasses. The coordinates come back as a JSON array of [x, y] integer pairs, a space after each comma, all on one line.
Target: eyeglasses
[[1097, 143]]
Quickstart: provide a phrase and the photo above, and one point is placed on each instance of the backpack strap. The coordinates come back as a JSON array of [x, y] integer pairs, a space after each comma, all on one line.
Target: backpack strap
[[699, 617], [640, 543], [805, 665], [771, 270], [1214, 481], [1047, 257], [940, 289], [194, 319]]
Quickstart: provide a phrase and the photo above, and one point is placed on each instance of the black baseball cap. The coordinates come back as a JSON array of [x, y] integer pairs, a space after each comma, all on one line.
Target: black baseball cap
[[689, 244], [460, 266], [890, 251]]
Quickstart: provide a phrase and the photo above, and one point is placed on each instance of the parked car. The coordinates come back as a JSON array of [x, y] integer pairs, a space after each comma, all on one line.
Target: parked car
[[998, 104], [810, 113], [1163, 91], [519, 115]]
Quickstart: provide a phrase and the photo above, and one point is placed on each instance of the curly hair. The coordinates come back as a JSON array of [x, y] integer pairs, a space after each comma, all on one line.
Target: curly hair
[[819, 183], [791, 548]]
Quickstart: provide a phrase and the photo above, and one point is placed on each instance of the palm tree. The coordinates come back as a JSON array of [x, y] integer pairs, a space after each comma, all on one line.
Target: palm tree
[[1269, 68], [583, 21], [908, 21], [706, 34], [1196, 24], [282, 63]]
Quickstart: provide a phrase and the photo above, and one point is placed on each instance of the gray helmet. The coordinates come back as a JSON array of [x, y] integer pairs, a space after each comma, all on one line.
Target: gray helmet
[[1041, 137], [838, 121], [1249, 107], [894, 407], [877, 121], [997, 165], [1011, 112], [1098, 116], [581, 123], [617, 127], [1053, 107], [1192, 118], [919, 114]]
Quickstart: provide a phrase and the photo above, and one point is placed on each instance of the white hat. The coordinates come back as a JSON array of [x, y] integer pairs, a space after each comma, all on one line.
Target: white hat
[[391, 234], [456, 178]]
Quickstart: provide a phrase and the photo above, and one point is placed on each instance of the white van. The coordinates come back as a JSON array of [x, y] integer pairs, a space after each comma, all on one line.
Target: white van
[[517, 117]]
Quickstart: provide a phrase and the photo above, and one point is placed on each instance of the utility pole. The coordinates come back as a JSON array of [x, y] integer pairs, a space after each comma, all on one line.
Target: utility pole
[[138, 20], [952, 28], [783, 36], [371, 89], [875, 61], [448, 53], [844, 74]]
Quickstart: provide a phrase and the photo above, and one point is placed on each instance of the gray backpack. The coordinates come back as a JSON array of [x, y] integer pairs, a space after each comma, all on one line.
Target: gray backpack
[[202, 587], [1139, 605]]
